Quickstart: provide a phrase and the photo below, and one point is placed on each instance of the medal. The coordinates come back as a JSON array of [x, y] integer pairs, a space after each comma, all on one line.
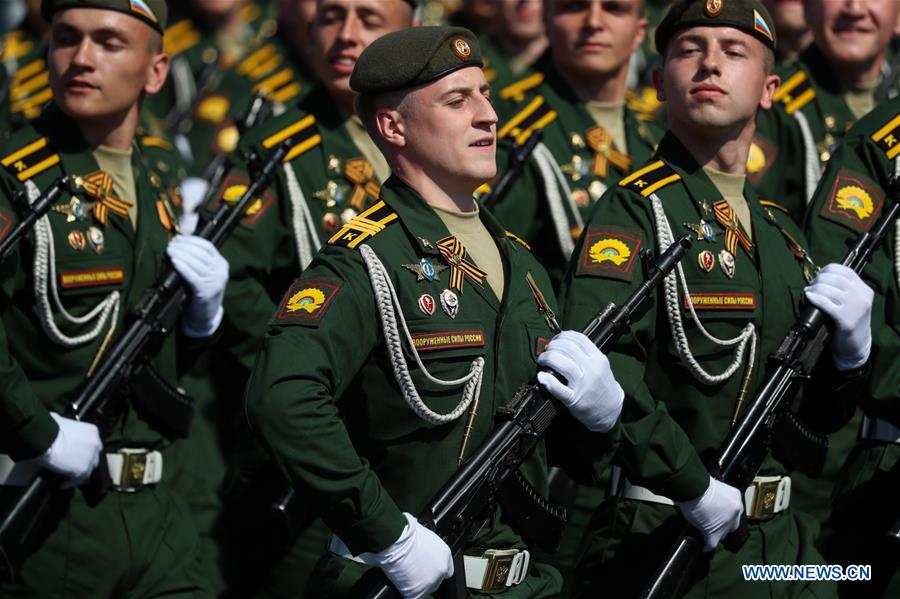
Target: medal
[[706, 261], [73, 210], [426, 304], [76, 240], [596, 189], [348, 215], [95, 235], [425, 270], [330, 222], [726, 263], [581, 198], [704, 231], [450, 303]]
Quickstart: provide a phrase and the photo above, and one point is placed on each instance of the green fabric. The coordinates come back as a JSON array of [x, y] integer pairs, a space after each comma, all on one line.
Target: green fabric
[[24, 78], [152, 12], [499, 69], [743, 15], [414, 56], [336, 422], [670, 419]]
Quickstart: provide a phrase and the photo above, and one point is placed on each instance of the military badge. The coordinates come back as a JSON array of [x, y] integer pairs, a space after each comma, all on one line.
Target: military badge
[[425, 270], [726, 263], [234, 189], [714, 7], [73, 210], [307, 301], [610, 252], [704, 231], [581, 198], [330, 222], [95, 236], [450, 303], [854, 203], [596, 189], [760, 25], [706, 261], [77, 240], [427, 304], [461, 48], [454, 252]]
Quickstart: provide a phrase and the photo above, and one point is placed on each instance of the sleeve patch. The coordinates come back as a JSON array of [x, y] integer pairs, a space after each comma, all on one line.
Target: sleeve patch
[[307, 301], [610, 252], [888, 138], [234, 188], [854, 202], [762, 156]]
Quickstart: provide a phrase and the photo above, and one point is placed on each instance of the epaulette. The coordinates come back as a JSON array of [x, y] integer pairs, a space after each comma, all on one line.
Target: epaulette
[[365, 226], [15, 46], [516, 91], [260, 62], [888, 137], [280, 87], [29, 89], [180, 37], [643, 103], [303, 133], [650, 179], [152, 141], [536, 115], [769, 204], [795, 93], [518, 240], [30, 159]]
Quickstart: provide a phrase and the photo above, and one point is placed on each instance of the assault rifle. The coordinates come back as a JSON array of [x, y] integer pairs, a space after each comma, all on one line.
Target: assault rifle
[[767, 420], [491, 475], [517, 160], [127, 362], [36, 210]]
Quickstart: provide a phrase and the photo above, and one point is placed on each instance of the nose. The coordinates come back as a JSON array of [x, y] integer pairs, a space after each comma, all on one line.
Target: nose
[[709, 62], [596, 17], [486, 115], [349, 29], [84, 54], [853, 8]]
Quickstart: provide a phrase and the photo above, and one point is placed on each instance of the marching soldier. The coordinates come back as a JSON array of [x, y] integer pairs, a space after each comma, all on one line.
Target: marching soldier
[[693, 363], [416, 321], [850, 197], [92, 258], [792, 29], [590, 139], [515, 43]]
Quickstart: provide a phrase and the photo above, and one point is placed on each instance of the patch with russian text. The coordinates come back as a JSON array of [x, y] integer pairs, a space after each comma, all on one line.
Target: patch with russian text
[[610, 252], [307, 301], [234, 188], [854, 202], [91, 277], [448, 340], [720, 301]]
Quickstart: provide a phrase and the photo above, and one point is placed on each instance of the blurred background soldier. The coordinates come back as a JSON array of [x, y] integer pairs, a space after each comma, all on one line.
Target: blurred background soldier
[[516, 42]]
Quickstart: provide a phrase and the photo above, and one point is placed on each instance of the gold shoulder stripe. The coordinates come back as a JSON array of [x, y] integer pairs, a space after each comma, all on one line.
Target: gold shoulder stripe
[[537, 115], [769, 204], [152, 141], [30, 160], [180, 37], [650, 179], [517, 90], [888, 138], [280, 78], [796, 92], [518, 240], [364, 226], [303, 133], [257, 58]]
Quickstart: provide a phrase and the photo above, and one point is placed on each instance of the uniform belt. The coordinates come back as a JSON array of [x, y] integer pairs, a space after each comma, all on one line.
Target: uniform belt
[[129, 469], [765, 497], [882, 431], [494, 572]]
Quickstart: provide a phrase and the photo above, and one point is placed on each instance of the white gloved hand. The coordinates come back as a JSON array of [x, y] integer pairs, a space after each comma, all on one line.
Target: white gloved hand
[[193, 191], [417, 562], [592, 394], [75, 452], [206, 273], [716, 513], [847, 300]]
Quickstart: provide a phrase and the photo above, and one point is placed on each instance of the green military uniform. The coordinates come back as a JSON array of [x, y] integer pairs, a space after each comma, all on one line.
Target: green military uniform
[[794, 141], [579, 161], [848, 201], [89, 254], [681, 387], [24, 80], [339, 425]]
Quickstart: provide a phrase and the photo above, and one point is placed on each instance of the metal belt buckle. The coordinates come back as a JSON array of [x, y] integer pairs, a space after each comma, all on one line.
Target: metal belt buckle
[[133, 467], [764, 500], [500, 562]]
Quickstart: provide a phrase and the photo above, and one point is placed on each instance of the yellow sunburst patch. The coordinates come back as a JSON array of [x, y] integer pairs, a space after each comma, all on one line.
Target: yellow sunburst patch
[[855, 199], [308, 300], [611, 250]]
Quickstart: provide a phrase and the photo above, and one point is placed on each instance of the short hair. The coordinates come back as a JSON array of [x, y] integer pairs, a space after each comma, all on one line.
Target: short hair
[[156, 43], [368, 105]]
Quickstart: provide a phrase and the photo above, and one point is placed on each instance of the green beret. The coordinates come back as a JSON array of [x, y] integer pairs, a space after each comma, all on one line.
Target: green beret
[[749, 16], [414, 56], [151, 12]]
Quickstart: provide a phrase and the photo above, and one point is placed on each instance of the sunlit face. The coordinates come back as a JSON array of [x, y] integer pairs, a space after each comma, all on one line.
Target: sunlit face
[[787, 16], [521, 20], [450, 130], [218, 9], [102, 61], [295, 18], [714, 78], [594, 37], [344, 28], [851, 32]]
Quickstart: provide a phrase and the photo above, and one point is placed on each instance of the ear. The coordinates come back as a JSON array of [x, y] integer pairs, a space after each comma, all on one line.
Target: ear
[[640, 34], [658, 81], [391, 126], [772, 83], [157, 73]]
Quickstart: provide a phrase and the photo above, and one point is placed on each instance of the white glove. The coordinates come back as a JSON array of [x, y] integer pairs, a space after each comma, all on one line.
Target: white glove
[[75, 452], [417, 562], [206, 273], [847, 300], [193, 190], [716, 513], [592, 394]]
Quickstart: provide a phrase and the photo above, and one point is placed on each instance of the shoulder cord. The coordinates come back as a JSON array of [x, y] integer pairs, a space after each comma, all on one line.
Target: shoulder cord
[[747, 335], [389, 309], [812, 170], [551, 172], [45, 273], [305, 236]]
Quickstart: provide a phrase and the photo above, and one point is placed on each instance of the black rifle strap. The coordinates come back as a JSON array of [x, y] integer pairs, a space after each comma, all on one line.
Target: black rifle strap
[[536, 518], [164, 404]]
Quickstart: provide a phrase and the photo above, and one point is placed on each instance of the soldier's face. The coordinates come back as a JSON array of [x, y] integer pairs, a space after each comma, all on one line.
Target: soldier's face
[[594, 37], [714, 79], [101, 62], [218, 8], [344, 28], [787, 15], [450, 130], [853, 32], [521, 20]]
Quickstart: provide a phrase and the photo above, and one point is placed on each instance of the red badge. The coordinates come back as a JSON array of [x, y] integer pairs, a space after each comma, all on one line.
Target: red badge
[[427, 304]]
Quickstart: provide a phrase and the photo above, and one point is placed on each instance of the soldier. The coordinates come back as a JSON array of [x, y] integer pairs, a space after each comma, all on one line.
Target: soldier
[[850, 198], [25, 87], [516, 42], [794, 34], [591, 140], [417, 320], [67, 296], [690, 365], [837, 79]]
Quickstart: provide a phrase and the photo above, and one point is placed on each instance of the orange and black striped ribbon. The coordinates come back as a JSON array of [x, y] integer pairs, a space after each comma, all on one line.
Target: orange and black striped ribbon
[[601, 143], [734, 235], [455, 254], [98, 185]]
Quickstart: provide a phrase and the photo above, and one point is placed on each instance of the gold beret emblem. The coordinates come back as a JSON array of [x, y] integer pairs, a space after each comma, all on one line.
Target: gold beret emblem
[[714, 7], [461, 48]]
